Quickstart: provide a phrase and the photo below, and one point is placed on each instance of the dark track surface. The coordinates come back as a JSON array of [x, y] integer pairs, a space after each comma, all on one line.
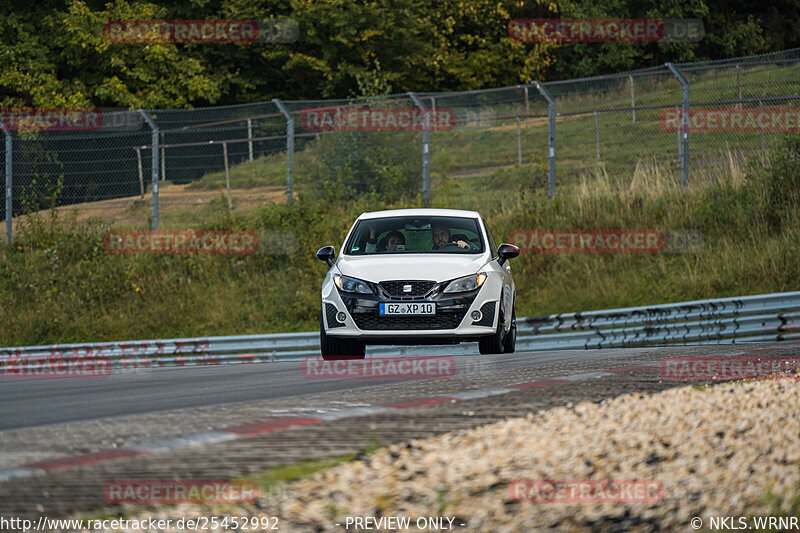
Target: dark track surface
[[62, 492], [29, 403]]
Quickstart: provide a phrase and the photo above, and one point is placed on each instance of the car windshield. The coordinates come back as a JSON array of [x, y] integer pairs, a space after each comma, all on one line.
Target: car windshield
[[415, 234]]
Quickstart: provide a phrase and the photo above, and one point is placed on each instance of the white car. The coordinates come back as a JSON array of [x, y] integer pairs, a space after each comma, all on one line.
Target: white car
[[418, 276]]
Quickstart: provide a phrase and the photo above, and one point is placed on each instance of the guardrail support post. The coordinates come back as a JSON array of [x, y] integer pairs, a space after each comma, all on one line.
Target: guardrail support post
[[289, 148], [154, 158], [9, 197], [426, 156], [551, 140], [685, 121]]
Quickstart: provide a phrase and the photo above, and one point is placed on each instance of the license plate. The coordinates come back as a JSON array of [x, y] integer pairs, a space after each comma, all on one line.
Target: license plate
[[408, 308]]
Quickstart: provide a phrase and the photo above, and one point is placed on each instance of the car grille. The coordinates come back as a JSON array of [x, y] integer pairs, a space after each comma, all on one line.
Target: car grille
[[487, 310], [442, 320], [418, 287], [330, 314]]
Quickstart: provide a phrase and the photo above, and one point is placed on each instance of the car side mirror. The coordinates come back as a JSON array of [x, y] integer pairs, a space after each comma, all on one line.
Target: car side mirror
[[507, 251], [327, 253]]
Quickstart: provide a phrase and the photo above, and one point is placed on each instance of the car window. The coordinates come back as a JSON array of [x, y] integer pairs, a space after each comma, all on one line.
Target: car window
[[414, 234]]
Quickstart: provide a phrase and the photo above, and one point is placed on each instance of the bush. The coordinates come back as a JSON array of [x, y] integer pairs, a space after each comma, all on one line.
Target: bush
[[349, 165], [777, 185]]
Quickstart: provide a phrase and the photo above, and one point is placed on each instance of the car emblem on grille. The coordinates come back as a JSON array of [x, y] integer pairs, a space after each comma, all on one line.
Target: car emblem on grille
[[406, 288]]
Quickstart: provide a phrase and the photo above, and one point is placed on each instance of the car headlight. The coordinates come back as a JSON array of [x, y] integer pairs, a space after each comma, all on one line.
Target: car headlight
[[467, 283], [348, 284]]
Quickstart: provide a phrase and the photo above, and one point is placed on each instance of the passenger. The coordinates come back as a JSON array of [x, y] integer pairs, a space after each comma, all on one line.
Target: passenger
[[393, 240], [388, 244]]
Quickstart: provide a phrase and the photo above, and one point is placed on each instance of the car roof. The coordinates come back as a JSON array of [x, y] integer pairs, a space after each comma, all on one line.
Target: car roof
[[430, 212]]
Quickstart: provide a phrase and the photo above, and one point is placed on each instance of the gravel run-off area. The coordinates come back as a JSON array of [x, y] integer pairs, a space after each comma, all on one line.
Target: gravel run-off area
[[716, 451]]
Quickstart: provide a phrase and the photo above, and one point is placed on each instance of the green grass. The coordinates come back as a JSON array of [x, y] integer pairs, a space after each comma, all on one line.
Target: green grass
[[489, 145], [59, 285], [624, 144], [271, 481], [267, 170]]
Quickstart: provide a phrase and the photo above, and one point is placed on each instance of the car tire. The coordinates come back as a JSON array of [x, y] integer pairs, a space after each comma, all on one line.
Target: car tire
[[494, 343], [510, 341], [333, 349]]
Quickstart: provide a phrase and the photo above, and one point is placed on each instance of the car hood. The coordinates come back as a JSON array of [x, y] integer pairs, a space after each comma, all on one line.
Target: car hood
[[436, 267]]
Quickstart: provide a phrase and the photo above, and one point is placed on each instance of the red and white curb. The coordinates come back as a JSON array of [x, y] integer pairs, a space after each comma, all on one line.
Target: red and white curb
[[279, 424]]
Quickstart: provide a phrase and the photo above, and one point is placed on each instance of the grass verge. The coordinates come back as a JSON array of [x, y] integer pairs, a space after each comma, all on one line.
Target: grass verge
[[58, 284]]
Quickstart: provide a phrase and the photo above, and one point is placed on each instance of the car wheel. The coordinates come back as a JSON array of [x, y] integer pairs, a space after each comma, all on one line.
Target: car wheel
[[510, 341], [494, 343], [333, 348]]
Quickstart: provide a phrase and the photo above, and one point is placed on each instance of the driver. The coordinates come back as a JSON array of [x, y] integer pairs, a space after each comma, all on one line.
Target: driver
[[441, 237]]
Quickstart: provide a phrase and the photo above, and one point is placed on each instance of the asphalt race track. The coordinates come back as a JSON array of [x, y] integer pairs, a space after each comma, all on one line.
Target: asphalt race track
[[27, 403], [62, 440]]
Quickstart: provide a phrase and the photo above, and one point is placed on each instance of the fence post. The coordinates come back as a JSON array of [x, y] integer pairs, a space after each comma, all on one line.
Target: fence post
[[597, 136], [250, 138], [685, 121], [163, 159], [678, 130], [739, 86], [141, 175], [633, 102], [154, 170], [289, 148], [761, 127], [551, 140], [519, 145], [227, 174], [9, 198], [527, 107], [426, 162]]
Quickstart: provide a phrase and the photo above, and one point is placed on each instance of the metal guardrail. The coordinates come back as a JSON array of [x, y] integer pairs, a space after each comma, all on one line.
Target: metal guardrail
[[759, 318]]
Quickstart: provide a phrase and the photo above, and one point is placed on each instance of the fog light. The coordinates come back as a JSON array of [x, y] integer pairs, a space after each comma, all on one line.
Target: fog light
[[476, 315], [340, 316]]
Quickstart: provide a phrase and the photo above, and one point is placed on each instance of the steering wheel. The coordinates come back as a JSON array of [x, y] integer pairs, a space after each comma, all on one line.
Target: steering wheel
[[445, 245]]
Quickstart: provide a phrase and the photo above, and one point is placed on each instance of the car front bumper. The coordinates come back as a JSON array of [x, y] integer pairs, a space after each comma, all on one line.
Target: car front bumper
[[452, 322]]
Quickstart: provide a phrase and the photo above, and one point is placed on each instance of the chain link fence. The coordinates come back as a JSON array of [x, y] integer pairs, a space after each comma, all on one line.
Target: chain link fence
[[675, 124]]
